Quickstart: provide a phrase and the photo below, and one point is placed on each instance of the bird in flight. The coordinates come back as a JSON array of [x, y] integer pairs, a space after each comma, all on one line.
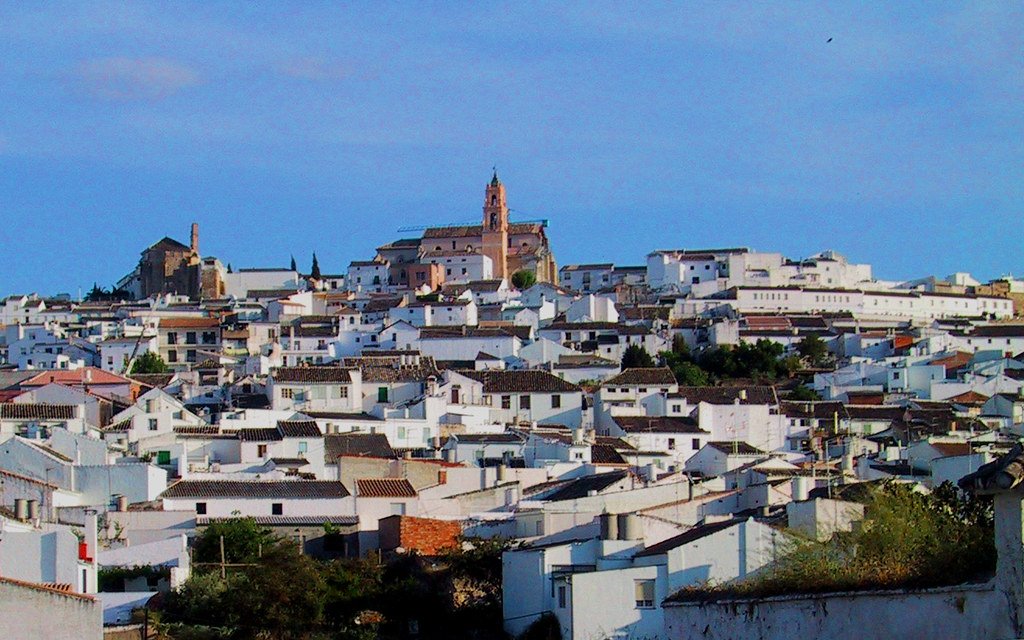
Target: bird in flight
[[829, 40]]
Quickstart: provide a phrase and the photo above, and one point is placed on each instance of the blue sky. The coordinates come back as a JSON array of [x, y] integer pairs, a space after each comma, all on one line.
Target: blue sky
[[304, 126]]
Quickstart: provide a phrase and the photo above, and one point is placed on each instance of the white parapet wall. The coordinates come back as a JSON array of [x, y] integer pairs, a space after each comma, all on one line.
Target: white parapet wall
[[963, 611]]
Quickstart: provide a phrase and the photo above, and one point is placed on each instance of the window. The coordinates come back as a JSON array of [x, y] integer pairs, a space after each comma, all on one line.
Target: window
[[261, 450], [303, 447], [382, 394], [163, 457], [190, 337], [676, 408], [556, 401], [398, 508], [200, 508], [696, 443], [671, 444], [172, 337], [506, 402], [209, 337], [190, 355], [277, 509], [342, 392], [644, 593], [172, 356], [287, 394], [524, 402], [561, 596], [153, 423]]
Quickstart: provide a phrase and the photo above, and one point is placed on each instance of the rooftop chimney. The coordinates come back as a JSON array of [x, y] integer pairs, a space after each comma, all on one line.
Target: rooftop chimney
[[195, 238]]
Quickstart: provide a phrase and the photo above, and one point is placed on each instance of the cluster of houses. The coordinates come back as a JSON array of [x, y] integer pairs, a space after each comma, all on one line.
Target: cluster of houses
[[376, 412]]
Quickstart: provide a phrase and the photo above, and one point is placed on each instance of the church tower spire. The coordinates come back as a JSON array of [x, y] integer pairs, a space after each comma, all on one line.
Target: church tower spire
[[495, 227]]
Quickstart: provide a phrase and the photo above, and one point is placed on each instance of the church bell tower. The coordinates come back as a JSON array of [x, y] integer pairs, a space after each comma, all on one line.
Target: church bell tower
[[495, 227]]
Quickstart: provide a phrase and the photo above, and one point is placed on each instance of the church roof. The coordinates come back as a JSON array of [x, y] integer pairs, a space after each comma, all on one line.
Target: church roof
[[476, 231], [169, 244]]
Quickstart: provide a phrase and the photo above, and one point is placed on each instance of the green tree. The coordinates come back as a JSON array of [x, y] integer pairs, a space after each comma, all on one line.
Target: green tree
[[523, 279], [813, 350], [149, 362], [314, 271], [803, 393], [636, 356], [689, 374], [97, 293], [244, 541], [285, 595]]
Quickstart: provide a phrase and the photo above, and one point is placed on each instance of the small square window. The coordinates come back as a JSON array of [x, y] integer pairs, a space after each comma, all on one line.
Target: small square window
[[200, 508], [556, 401], [644, 593], [277, 509]]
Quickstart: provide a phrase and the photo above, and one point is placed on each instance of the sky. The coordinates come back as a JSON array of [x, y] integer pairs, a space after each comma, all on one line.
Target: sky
[[890, 132]]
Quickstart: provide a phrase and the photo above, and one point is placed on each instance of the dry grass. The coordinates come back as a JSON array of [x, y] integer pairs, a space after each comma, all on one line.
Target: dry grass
[[908, 540]]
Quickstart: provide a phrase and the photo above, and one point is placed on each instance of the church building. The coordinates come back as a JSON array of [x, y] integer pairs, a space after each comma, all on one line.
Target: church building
[[511, 246]]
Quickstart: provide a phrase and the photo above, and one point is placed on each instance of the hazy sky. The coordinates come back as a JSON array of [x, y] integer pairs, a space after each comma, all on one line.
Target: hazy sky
[[306, 127]]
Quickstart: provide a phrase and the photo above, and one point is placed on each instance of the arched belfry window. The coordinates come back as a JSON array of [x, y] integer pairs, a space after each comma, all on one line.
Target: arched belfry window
[[494, 220], [494, 200]]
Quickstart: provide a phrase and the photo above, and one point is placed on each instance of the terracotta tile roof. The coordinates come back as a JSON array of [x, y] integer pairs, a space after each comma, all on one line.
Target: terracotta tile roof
[[728, 395], [969, 397], [390, 368], [645, 313], [314, 375], [119, 427], [819, 410], [256, 489], [26, 411], [286, 521], [952, 448], [259, 435], [76, 377], [363, 445], [384, 488], [691, 535], [999, 331], [527, 381], [507, 437], [958, 360], [442, 333], [156, 380], [581, 487], [737, 447], [50, 587], [189, 323], [24, 478], [653, 376], [299, 428], [604, 454], [651, 424], [199, 430]]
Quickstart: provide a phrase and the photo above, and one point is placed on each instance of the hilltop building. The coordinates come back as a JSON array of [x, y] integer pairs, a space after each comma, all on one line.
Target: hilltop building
[[494, 249]]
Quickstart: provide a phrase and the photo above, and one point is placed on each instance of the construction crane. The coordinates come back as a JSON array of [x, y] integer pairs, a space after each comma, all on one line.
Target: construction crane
[[541, 221]]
